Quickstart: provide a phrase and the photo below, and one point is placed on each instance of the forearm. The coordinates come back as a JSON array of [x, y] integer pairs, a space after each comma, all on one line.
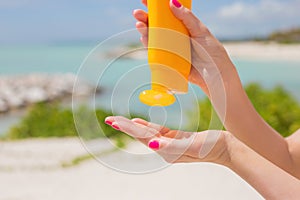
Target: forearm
[[241, 119], [268, 179]]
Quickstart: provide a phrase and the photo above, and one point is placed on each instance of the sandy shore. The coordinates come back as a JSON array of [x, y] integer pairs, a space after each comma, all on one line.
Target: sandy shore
[[263, 51], [32, 170], [240, 50]]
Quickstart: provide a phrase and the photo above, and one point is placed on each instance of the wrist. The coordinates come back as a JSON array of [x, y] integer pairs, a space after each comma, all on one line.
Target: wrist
[[226, 148], [234, 148], [241, 157], [223, 81]]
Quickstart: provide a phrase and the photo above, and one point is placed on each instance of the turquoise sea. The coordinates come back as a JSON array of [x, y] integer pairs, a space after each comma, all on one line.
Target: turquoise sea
[[123, 79]]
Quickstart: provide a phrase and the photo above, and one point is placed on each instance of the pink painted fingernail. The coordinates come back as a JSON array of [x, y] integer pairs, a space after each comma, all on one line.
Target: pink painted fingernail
[[154, 145], [108, 122], [115, 126], [176, 3]]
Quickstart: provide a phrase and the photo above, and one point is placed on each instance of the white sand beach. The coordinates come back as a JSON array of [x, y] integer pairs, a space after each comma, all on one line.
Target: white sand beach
[[263, 51], [240, 50], [31, 169]]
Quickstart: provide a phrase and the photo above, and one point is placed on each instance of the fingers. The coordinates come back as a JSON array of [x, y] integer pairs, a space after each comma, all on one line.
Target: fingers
[[176, 134], [164, 131], [144, 41], [157, 127], [208, 146], [198, 145], [142, 25], [195, 27], [140, 15], [144, 2], [173, 146], [135, 130], [142, 28], [109, 120]]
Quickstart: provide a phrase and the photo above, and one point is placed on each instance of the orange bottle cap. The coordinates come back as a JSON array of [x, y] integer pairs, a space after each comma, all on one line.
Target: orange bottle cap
[[157, 98]]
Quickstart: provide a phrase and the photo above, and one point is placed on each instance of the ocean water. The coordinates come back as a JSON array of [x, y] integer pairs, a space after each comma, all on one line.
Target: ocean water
[[122, 79]]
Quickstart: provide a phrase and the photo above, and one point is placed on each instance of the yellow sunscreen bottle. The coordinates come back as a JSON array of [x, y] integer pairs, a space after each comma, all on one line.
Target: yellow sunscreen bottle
[[169, 54]]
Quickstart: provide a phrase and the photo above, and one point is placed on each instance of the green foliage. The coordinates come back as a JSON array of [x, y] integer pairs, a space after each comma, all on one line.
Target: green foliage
[[78, 160], [276, 106], [286, 37], [206, 117], [45, 120], [289, 36]]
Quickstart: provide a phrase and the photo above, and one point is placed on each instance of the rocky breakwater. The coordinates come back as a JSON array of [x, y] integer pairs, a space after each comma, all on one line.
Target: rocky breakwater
[[23, 90]]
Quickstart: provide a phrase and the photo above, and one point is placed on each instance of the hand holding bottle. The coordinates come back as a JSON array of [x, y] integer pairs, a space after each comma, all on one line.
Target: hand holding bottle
[[208, 54]]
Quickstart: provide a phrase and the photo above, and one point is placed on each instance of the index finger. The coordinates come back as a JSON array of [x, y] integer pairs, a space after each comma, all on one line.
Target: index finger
[[144, 2], [135, 130], [157, 127]]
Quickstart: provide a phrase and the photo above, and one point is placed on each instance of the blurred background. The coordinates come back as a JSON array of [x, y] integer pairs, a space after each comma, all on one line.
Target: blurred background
[[47, 47]]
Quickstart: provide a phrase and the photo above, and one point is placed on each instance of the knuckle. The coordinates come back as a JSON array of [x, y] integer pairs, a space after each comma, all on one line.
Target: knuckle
[[187, 12], [204, 29]]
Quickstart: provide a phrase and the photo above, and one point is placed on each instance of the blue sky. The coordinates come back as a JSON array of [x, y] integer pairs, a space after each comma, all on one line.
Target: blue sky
[[65, 20]]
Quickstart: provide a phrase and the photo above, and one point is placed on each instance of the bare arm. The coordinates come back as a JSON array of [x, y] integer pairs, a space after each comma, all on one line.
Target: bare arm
[[294, 148], [268, 179], [248, 126], [240, 117]]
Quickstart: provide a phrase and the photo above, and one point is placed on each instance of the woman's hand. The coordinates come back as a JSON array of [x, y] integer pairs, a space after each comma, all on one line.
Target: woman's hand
[[212, 146], [177, 146], [208, 54]]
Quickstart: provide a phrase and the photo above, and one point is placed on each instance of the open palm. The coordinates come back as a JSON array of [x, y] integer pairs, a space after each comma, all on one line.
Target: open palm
[[173, 145]]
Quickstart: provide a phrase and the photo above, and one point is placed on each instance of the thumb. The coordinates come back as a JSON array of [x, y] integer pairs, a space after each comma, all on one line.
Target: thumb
[[195, 27]]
